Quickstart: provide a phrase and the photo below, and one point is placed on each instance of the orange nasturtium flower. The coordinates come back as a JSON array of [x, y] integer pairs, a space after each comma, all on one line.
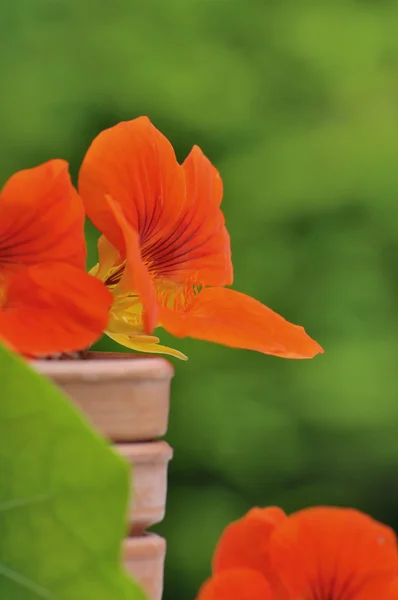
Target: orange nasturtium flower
[[165, 252], [315, 554], [48, 303]]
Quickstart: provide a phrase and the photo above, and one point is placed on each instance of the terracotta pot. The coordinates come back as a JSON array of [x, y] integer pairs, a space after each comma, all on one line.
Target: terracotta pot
[[126, 397], [144, 560], [150, 462]]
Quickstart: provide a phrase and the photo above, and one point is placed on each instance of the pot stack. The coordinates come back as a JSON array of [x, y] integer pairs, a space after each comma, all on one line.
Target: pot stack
[[127, 398]]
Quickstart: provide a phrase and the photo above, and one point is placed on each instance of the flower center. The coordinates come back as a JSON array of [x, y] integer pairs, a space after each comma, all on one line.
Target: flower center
[[172, 295], [178, 296], [114, 275]]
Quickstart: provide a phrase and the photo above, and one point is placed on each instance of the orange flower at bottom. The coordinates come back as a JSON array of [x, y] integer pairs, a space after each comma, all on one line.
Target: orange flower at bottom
[[315, 554], [165, 251], [242, 584], [48, 303], [393, 590]]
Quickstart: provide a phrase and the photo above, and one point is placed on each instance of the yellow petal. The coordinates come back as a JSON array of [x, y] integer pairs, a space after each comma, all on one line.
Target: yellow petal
[[145, 343], [125, 324], [108, 256]]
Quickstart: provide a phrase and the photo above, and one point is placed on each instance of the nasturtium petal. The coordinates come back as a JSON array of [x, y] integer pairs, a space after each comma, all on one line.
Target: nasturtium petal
[[53, 307], [228, 317], [236, 584], [339, 552], [41, 218]]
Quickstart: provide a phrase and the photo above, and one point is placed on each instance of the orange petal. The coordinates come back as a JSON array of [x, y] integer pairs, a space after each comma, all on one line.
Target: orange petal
[[202, 243], [244, 543], [392, 593], [136, 276], [334, 553], [227, 317], [53, 307], [136, 165], [174, 209], [42, 218], [240, 584]]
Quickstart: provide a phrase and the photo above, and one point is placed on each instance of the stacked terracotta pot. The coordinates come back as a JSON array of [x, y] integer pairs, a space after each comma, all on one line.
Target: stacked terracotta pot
[[127, 399]]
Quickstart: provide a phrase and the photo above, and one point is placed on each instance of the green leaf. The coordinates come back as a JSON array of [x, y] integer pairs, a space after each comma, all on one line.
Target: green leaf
[[63, 497]]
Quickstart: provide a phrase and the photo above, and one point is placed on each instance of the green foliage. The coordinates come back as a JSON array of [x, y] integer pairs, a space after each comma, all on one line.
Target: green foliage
[[297, 105], [63, 497]]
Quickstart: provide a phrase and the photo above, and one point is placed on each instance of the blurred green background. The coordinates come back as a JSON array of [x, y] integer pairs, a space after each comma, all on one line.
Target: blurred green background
[[296, 103]]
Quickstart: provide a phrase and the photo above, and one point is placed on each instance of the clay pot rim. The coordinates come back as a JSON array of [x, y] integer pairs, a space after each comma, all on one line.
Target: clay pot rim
[[146, 452], [147, 545], [107, 366]]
